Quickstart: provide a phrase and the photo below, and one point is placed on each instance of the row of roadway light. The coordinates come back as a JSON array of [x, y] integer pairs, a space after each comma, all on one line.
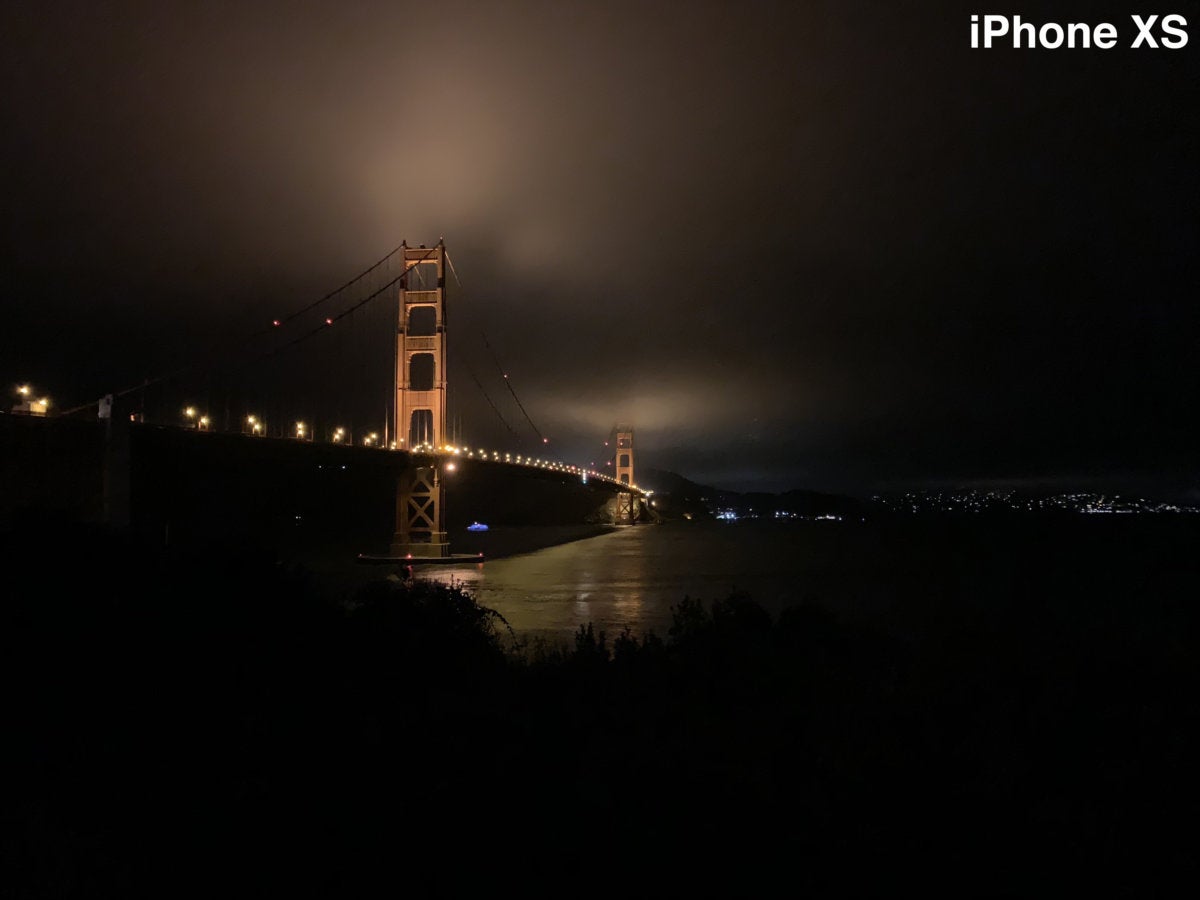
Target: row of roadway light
[[255, 426]]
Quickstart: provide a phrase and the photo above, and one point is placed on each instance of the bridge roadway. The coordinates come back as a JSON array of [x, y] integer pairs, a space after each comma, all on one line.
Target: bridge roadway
[[183, 485]]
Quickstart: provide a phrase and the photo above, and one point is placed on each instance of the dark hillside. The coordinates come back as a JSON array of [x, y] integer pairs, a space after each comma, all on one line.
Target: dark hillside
[[186, 721]]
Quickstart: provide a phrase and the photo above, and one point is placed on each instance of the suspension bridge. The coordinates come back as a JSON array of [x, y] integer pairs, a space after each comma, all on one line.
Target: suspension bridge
[[152, 456]]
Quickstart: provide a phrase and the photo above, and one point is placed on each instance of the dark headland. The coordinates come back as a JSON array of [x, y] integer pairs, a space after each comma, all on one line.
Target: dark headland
[[186, 718]]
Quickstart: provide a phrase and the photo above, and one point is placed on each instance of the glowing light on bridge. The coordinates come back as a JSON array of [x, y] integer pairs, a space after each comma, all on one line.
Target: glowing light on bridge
[[31, 407], [339, 434]]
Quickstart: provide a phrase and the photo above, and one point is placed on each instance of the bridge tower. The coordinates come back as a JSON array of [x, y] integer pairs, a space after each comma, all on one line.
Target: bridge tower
[[420, 408], [626, 510]]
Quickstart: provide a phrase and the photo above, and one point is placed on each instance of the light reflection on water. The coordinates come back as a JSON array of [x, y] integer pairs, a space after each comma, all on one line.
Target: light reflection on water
[[632, 577]]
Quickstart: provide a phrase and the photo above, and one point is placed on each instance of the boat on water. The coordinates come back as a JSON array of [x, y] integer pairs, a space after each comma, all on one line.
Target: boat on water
[[477, 526]]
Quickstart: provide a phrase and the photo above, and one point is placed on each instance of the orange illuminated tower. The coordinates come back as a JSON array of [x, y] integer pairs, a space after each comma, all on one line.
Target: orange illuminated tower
[[624, 462], [420, 410], [626, 506], [421, 350]]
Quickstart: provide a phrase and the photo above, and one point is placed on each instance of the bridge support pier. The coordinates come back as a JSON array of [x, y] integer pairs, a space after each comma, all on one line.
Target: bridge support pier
[[626, 509], [420, 500]]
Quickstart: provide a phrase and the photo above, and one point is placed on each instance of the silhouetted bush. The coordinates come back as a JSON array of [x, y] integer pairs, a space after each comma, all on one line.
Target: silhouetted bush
[[590, 647], [429, 623], [212, 711]]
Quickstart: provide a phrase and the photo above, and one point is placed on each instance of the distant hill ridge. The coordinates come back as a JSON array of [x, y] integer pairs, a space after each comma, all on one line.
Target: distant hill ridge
[[677, 495]]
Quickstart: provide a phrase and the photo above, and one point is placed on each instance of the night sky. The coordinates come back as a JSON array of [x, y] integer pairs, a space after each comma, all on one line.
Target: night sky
[[822, 245]]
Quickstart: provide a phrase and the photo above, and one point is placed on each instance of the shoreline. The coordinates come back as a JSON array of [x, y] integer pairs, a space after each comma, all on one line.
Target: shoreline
[[505, 542], [340, 573]]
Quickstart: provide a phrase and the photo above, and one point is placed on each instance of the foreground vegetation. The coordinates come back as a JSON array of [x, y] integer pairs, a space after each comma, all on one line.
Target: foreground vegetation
[[203, 723]]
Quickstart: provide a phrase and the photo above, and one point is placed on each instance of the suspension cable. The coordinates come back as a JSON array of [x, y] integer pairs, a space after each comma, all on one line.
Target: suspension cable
[[508, 384], [361, 275], [500, 368], [479, 385], [174, 373]]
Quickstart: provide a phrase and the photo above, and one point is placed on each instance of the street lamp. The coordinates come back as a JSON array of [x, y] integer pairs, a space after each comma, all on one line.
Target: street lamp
[[301, 430]]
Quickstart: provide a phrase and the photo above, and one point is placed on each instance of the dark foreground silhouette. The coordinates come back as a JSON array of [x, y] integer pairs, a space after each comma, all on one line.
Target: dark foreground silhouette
[[212, 723]]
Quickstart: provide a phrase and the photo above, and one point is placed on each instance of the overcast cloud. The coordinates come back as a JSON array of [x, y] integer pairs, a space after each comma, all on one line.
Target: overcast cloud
[[796, 244]]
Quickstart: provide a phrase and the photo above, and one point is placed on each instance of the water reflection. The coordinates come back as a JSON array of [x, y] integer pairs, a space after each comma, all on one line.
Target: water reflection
[[598, 580], [634, 576]]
